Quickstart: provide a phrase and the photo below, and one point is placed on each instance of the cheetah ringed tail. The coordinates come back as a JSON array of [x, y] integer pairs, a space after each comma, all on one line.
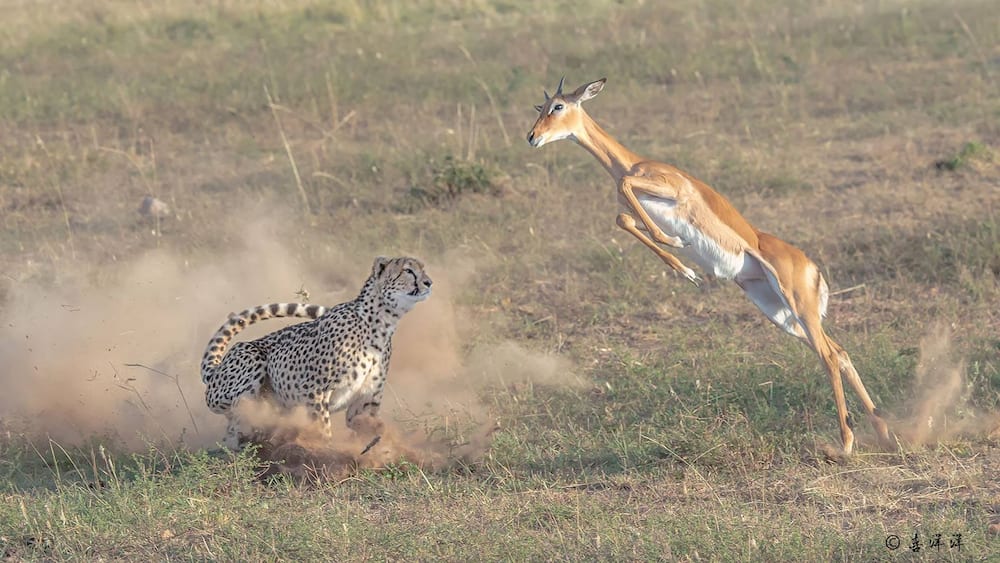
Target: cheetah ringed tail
[[219, 342]]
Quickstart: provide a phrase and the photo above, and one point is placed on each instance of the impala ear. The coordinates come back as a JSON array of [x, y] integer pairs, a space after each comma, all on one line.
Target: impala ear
[[538, 109], [588, 91]]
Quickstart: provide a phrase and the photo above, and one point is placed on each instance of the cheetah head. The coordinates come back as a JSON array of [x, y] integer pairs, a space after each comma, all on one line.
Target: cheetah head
[[401, 282]]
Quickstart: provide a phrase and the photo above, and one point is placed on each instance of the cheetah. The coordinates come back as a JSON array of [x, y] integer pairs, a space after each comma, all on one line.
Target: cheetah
[[339, 359]]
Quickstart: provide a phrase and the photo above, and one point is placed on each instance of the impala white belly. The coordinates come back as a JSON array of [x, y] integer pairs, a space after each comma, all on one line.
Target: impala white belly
[[700, 250]]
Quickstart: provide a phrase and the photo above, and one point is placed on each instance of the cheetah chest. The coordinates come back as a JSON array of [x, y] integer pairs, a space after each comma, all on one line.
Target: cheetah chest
[[365, 373]]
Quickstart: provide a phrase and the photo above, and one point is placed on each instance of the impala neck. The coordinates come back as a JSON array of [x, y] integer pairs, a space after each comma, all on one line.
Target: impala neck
[[615, 158]]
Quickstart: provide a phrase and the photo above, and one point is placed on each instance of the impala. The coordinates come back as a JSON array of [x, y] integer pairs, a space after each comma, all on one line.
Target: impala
[[663, 206]]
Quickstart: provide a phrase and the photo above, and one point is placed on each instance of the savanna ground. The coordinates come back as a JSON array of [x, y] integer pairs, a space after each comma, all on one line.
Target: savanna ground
[[629, 414]]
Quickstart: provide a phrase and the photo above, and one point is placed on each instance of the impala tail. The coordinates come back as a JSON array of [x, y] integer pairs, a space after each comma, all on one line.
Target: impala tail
[[219, 342]]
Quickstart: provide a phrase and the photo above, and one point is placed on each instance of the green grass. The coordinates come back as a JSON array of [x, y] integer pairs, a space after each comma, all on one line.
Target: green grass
[[440, 183], [863, 133], [970, 152]]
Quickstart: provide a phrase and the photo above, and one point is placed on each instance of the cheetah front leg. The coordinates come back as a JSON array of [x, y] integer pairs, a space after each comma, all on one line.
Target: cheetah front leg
[[319, 412], [362, 414]]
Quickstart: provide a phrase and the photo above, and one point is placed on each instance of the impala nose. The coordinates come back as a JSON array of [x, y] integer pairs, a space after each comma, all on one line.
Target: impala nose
[[531, 136]]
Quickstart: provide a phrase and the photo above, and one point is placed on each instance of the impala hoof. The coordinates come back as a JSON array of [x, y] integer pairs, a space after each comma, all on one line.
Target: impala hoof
[[834, 455], [692, 277], [888, 443]]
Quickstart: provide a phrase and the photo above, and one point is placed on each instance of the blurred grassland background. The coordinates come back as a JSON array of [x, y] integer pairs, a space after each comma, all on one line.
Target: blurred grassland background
[[864, 132]]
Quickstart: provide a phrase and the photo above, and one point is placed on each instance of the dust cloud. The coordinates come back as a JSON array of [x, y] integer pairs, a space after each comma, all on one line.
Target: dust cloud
[[113, 353], [940, 409]]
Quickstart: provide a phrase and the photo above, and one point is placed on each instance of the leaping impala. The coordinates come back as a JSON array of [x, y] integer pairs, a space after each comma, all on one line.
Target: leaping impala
[[662, 205]]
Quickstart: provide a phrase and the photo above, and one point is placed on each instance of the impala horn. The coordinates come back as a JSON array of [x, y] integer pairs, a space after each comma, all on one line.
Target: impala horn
[[559, 87]]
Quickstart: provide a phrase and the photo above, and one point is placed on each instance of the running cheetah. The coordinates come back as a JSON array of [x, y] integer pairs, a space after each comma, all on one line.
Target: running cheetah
[[339, 359]]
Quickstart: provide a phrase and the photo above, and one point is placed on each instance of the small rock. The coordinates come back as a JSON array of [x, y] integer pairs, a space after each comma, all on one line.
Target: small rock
[[153, 207]]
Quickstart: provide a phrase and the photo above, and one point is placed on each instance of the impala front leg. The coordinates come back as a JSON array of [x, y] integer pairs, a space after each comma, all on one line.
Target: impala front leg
[[627, 188], [627, 222]]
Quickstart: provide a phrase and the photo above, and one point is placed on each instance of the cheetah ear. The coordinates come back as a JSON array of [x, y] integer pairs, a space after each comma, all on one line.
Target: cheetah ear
[[379, 266]]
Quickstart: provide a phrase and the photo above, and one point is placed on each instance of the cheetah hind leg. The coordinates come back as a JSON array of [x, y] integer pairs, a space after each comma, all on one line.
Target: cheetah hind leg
[[241, 378], [238, 431], [234, 440]]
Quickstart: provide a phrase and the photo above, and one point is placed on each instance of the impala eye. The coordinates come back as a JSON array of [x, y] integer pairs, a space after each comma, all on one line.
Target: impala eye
[[557, 107]]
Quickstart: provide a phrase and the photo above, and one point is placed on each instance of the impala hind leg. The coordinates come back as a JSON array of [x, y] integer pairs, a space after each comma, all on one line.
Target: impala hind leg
[[885, 438], [839, 366], [821, 344], [797, 311], [627, 222]]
